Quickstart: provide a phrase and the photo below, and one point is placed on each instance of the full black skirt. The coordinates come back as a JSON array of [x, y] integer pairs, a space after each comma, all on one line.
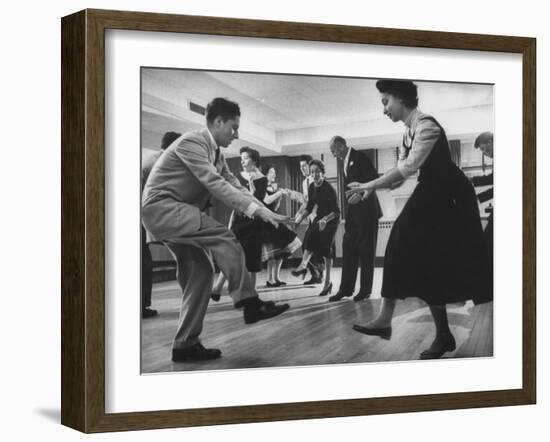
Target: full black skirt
[[321, 242], [253, 233], [436, 250]]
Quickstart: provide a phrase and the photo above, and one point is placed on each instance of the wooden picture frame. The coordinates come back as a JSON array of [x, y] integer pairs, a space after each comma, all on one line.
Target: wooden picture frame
[[83, 220]]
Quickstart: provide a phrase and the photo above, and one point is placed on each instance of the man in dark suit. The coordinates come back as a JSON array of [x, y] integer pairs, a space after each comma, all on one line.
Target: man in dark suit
[[484, 142], [189, 172], [359, 243]]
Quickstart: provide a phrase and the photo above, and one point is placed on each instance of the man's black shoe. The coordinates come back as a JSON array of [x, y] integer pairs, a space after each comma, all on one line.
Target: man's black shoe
[[338, 296], [256, 311], [360, 296], [196, 352], [148, 312]]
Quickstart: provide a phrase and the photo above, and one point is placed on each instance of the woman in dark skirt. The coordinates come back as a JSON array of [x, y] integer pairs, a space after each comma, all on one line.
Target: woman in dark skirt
[[436, 249], [272, 254], [319, 237], [253, 232]]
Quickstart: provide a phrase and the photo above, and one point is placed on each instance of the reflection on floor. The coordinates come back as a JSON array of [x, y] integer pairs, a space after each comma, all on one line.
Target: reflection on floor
[[312, 332]]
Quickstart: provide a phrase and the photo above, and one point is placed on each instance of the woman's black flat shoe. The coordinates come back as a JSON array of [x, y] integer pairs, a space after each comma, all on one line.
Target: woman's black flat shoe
[[384, 332], [436, 354]]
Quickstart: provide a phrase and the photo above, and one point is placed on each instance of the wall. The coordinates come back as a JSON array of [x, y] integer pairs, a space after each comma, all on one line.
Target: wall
[[30, 378]]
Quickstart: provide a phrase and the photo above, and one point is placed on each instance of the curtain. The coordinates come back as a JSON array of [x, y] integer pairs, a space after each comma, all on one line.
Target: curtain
[[454, 147], [295, 179]]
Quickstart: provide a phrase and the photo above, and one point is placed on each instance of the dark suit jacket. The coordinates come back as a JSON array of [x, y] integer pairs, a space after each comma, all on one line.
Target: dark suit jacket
[[361, 169], [484, 180]]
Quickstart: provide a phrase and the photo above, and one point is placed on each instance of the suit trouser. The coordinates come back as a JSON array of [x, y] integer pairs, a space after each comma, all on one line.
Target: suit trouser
[[146, 271], [488, 236], [359, 249], [195, 270]]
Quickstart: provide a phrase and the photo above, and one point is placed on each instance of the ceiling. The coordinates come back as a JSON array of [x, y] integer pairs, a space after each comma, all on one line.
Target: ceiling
[[294, 108]]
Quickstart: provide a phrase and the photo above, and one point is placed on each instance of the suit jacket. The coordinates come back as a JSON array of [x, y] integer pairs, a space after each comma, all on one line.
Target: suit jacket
[[361, 169], [484, 180], [181, 184], [147, 165]]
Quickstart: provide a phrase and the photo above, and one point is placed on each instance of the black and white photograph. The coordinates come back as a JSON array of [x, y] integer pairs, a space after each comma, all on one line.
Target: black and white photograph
[[255, 221], [302, 220]]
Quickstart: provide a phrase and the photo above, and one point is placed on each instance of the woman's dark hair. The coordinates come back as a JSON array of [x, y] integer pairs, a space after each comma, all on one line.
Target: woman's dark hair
[[319, 164], [253, 154], [306, 158], [265, 168], [221, 107], [402, 89]]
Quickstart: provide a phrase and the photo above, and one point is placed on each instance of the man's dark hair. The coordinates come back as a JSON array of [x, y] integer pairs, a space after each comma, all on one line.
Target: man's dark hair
[[253, 154], [221, 107], [483, 138], [168, 138], [306, 158], [319, 164], [403, 89]]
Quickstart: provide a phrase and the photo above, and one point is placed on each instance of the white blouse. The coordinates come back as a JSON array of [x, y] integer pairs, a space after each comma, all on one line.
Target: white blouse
[[422, 133]]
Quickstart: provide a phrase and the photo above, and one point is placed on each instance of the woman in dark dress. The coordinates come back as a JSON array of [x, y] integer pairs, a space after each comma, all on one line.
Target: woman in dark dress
[[435, 251], [252, 233], [319, 237], [270, 253]]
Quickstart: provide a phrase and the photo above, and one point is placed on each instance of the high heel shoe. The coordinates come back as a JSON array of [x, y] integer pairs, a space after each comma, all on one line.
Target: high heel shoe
[[327, 290], [272, 284], [384, 332], [301, 272]]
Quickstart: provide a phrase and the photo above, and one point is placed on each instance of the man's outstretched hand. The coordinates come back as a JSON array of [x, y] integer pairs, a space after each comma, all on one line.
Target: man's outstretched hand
[[270, 217]]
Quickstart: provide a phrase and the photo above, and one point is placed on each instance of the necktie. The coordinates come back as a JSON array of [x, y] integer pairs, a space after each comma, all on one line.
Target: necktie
[[216, 158]]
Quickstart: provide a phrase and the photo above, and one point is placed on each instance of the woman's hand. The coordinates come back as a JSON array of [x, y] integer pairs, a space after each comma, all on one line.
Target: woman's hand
[[358, 191], [363, 195], [322, 223], [357, 187], [354, 198], [298, 219]]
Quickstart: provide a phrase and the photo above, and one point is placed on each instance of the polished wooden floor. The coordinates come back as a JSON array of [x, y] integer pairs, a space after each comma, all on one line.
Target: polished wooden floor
[[311, 332]]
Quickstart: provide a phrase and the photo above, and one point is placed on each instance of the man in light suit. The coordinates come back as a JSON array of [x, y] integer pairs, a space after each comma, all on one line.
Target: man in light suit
[[361, 234], [177, 192]]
